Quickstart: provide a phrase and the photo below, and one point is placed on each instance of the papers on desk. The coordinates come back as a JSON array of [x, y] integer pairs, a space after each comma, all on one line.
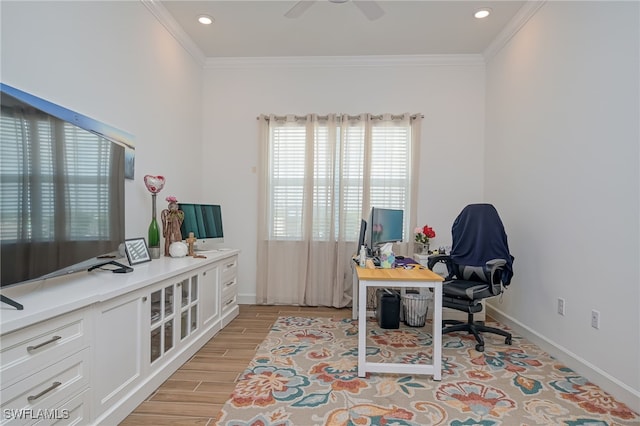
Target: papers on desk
[[408, 263], [411, 266]]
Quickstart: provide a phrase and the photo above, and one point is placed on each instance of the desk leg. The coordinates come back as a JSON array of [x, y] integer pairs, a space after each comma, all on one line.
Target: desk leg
[[437, 332], [362, 328], [354, 293]]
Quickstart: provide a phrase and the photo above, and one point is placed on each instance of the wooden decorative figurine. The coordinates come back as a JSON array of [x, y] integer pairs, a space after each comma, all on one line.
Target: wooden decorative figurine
[[172, 219], [191, 242]]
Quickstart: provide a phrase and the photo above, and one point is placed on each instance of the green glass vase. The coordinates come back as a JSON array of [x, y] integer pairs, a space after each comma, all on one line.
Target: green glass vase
[[154, 231]]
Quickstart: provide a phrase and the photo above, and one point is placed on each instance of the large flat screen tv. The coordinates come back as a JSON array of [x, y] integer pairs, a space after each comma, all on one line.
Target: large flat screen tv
[[61, 190]]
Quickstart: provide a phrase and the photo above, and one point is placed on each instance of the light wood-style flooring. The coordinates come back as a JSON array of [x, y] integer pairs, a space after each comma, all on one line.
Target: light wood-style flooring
[[196, 392]]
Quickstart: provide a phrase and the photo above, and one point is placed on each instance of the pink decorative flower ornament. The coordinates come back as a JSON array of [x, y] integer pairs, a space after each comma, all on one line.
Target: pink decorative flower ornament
[[154, 183]]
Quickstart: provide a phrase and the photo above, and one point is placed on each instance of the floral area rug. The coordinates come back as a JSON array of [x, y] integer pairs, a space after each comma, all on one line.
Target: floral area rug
[[305, 373]]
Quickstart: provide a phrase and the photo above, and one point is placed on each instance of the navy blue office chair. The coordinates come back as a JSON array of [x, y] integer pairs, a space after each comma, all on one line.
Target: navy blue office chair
[[479, 267]]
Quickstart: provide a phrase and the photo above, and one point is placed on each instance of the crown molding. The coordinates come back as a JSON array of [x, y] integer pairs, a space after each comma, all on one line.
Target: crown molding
[[344, 61], [165, 18], [526, 12]]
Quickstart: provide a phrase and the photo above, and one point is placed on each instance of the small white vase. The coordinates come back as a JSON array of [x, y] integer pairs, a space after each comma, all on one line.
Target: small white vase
[[178, 249]]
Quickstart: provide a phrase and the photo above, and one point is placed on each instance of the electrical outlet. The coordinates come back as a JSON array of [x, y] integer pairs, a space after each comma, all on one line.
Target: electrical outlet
[[595, 319], [560, 305]]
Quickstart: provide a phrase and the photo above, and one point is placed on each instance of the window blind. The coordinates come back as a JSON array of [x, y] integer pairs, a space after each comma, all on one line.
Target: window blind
[[339, 168]]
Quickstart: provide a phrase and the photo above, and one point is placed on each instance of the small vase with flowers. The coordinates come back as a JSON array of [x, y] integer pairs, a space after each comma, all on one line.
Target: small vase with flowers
[[423, 234]]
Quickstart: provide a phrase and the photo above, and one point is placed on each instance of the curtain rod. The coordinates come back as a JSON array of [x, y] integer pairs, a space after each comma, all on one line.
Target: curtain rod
[[348, 117]]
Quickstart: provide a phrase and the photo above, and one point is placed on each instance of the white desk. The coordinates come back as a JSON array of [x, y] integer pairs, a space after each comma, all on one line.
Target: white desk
[[416, 278]]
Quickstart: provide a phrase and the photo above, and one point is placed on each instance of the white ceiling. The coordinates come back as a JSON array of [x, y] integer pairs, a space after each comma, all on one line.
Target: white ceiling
[[245, 28]]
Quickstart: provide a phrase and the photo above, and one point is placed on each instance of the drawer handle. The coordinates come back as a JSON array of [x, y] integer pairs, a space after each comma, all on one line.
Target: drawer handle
[[230, 301], [230, 283], [230, 265], [54, 385], [33, 348]]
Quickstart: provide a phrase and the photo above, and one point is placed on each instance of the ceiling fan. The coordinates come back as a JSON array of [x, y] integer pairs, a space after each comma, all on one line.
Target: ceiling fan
[[369, 8]]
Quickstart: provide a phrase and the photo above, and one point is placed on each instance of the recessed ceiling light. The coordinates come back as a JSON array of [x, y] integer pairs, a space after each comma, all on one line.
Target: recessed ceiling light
[[205, 19], [482, 13]]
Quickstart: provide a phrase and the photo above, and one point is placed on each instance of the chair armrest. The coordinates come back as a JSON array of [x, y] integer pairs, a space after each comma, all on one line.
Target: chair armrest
[[437, 258], [495, 267], [441, 258]]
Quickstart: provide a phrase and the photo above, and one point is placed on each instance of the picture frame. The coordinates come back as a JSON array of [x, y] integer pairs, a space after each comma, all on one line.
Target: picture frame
[[137, 251]]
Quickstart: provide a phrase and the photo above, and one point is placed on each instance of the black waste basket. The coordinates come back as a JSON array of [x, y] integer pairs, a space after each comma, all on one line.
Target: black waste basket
[[388, 308]]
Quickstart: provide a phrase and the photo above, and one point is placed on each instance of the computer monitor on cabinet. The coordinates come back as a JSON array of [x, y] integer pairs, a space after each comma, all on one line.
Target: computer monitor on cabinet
[[205, 221]]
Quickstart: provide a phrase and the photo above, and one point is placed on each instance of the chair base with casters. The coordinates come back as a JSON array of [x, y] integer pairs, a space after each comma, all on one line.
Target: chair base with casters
[[475, 328]]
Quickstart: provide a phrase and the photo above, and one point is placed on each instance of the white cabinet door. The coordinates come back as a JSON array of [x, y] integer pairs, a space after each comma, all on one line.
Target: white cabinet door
[[119, 347], [209, 296]]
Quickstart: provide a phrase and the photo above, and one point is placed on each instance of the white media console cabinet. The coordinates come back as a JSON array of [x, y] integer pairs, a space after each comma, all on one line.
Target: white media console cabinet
[[88, 348]]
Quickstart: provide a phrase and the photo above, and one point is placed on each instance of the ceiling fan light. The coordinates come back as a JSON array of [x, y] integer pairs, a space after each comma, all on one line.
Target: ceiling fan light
[[482, 13], [205, 19]]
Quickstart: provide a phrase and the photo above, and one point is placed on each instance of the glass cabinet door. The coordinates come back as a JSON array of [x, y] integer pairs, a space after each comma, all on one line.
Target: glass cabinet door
[[168, 301], [184, 285], [162, 317], [189, 307], [174, 315]]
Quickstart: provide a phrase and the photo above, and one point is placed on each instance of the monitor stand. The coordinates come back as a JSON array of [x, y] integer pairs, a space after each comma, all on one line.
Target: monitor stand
[[8, 301]]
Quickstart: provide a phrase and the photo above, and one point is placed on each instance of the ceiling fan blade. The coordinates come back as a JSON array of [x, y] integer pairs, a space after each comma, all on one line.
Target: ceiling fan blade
[[370, 9], [299, 8]]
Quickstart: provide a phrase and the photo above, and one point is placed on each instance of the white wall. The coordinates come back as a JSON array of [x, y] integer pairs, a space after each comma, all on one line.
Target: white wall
[[114, 62], [562, 147], [451, 97]]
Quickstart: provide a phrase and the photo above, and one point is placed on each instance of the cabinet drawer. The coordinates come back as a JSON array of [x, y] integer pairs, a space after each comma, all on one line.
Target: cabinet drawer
[[229, 287], [229, 269], [45, 391], [229, 302], [30, 349], [73, 412]]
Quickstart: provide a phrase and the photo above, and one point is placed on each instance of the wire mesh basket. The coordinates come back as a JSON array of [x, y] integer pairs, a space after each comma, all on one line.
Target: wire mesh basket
[[414, 309]]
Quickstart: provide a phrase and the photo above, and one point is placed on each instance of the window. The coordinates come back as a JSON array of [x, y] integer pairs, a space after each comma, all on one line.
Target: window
[[331, 166]]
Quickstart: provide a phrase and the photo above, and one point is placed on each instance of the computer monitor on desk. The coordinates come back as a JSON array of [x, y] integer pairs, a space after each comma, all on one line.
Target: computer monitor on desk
[[385, 226], [362, 239]]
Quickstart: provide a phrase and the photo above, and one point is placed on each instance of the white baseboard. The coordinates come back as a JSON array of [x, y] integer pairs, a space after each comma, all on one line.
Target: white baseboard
[[619, 390], [247, 299]]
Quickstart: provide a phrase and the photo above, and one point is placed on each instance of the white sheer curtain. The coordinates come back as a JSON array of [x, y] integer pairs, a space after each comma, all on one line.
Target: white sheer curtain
[[319, 175]]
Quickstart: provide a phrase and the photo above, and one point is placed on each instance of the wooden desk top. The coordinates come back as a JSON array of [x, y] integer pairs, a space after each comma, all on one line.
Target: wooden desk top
[[397, 274]]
